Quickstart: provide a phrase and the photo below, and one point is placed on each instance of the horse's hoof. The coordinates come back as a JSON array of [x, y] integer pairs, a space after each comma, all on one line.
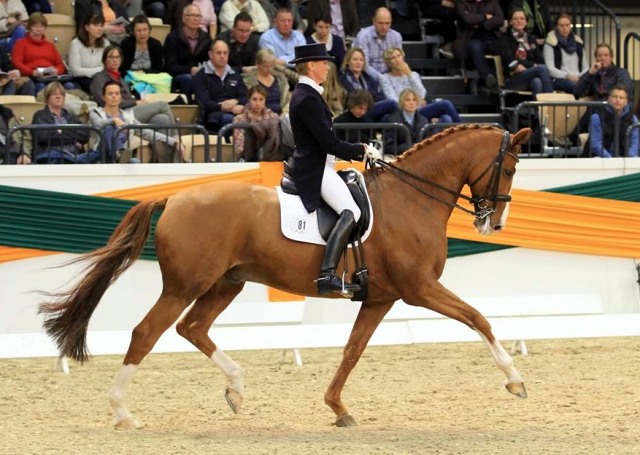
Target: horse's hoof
[[517, 388], [128, 423], [346, 421], [234, 400]]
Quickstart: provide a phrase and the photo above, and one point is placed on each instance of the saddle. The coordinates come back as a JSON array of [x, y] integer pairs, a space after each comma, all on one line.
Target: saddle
[[327, 217]]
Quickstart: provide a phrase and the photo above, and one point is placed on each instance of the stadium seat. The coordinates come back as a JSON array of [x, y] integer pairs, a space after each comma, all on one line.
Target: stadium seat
[[155, 21], [559, 121], [4, 99], [57, 19], [61, 35], [160, 32], [182, 113], [23, 110], [65, 7]]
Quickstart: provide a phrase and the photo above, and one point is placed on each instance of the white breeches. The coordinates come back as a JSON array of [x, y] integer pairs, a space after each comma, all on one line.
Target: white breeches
[[335, 193]]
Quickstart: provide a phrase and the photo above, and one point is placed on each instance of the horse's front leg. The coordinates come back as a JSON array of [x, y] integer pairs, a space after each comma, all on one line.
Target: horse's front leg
[[368, 319], [432, 295]]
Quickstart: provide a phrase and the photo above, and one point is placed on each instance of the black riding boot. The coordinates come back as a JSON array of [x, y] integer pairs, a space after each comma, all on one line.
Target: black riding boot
[[328, 281]]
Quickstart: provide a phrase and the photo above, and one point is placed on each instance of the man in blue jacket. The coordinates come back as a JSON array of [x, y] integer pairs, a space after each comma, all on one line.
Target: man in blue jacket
[[219, 89], [602, 127], [314, 158]]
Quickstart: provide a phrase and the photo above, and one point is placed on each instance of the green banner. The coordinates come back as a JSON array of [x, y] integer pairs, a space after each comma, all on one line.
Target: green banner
[[73, 223]]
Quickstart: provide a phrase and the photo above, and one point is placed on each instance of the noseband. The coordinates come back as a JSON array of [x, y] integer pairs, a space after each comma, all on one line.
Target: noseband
[[481, 204]]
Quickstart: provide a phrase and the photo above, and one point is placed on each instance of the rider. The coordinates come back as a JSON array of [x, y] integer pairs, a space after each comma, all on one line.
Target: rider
[[313, 161]]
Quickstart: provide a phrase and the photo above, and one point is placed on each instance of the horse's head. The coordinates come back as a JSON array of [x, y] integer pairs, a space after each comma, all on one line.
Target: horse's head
[[491, 183]]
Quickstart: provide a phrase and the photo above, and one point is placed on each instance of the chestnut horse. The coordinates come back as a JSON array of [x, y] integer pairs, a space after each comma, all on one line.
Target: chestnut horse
[[201, 262]]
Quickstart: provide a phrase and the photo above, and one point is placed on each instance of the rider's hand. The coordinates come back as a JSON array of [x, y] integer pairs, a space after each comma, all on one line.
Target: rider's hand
[[371, 152]]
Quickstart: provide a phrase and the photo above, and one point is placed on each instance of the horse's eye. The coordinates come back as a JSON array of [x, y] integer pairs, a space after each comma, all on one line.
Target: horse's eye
[[509, 172]]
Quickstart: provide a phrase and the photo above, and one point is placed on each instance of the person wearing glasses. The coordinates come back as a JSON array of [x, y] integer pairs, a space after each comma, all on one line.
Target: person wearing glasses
[[157, 112], [185, 51], [231, 8], [208, 17]]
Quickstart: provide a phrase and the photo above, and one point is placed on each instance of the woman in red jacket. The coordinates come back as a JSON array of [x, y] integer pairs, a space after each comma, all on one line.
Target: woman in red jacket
[[33, 53]]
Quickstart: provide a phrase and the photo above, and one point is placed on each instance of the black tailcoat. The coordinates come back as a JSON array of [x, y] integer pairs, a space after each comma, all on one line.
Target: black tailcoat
[[314, 139]]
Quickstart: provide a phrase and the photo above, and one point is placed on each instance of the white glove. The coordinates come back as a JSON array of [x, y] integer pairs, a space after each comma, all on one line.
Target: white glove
[[372, 153]]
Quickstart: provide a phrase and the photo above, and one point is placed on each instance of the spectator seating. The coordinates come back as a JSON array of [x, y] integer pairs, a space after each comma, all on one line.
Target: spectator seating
[[160, 32], [559, 122], [56, 19], [61, 36], [65, 7], [194, 144], [23, 107], [183, 113]]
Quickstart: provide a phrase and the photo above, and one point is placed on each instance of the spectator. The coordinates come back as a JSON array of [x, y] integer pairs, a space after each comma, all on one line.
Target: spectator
[[445, 12], [256, 110], [12, 83], [110, 9], [273, 82], [564, 55], [282, 39], [343, 13], [354, 77], [18, 153], [208, 19], [157, 112], [334, 94], [231, 8], [334, 44], [243, 45], [603, 76], [140, 51], [478, 28], [539, 21], [602, 129], [12, 15], [219, 89], [57, 146], [185, 50], [401, 78], [150, 8], [396, 142], [111, 116], [522, 59], [34, 51], [359, 103], [373, 40], [85, 51]]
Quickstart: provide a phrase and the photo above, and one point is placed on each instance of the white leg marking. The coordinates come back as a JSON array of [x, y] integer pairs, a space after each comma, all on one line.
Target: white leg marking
[[119, 392], [502, 359], [232, 371]]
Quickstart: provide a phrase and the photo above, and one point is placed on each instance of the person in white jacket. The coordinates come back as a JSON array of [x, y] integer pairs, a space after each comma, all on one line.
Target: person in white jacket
[[85, 52], [12, 16], [110, 117], [231, 8]]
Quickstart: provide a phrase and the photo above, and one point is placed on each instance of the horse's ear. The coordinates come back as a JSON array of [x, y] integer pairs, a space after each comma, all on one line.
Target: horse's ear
[[521, 137]]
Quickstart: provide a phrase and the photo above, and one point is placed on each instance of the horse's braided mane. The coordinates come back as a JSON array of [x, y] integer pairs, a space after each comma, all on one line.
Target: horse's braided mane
[[440, 135]]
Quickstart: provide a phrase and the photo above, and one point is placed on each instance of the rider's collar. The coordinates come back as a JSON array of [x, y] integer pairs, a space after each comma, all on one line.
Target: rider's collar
[[307, 80]]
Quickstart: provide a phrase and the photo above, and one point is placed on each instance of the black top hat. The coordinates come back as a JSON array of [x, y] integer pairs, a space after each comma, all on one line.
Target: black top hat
[[311, 52]]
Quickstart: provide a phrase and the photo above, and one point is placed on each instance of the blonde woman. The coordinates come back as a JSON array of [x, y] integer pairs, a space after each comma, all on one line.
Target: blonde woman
[[334, 93], [274, 82]]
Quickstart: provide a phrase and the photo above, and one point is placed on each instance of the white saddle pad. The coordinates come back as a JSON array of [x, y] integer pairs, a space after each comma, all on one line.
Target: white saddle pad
[[299, 225]]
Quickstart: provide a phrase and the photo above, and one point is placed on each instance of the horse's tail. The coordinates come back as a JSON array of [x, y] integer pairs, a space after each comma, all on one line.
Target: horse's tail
[[67, 316]]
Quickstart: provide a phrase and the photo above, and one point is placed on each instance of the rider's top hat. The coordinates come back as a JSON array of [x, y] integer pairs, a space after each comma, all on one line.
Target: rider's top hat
[[311, 52]]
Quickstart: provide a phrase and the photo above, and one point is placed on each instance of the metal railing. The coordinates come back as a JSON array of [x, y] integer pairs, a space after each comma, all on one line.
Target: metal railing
[[593, 21], [627, 139], [169, 130], [559, 125], [429, 128], [54, 152], [371, 129], [631, 62]]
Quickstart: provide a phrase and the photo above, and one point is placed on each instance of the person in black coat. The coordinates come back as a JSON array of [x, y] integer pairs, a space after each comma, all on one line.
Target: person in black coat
[[322, 34], [243, 45], [150, 54], [359, 102], [522, 58], [313, 161], [395, 142], [179, 60], [219, 89]]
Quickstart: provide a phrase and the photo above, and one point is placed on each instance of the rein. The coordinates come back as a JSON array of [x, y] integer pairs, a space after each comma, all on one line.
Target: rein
[[481, 208]]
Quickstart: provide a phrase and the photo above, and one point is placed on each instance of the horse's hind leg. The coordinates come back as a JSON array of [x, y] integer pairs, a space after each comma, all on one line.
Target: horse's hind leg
[[366, 323], [434, 296], [195, 326], [164, 313]]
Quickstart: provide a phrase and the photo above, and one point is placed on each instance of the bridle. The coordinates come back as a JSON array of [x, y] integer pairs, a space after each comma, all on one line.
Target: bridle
[[481, 203]]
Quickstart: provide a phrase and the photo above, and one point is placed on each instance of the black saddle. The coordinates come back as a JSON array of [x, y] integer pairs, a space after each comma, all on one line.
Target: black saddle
[[327, 217]]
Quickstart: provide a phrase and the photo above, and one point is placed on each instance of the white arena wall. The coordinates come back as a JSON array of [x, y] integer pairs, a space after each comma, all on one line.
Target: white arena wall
[[525, 293]]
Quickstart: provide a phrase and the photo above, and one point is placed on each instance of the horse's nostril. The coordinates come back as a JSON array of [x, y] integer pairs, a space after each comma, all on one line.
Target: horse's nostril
[[497, 227]]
